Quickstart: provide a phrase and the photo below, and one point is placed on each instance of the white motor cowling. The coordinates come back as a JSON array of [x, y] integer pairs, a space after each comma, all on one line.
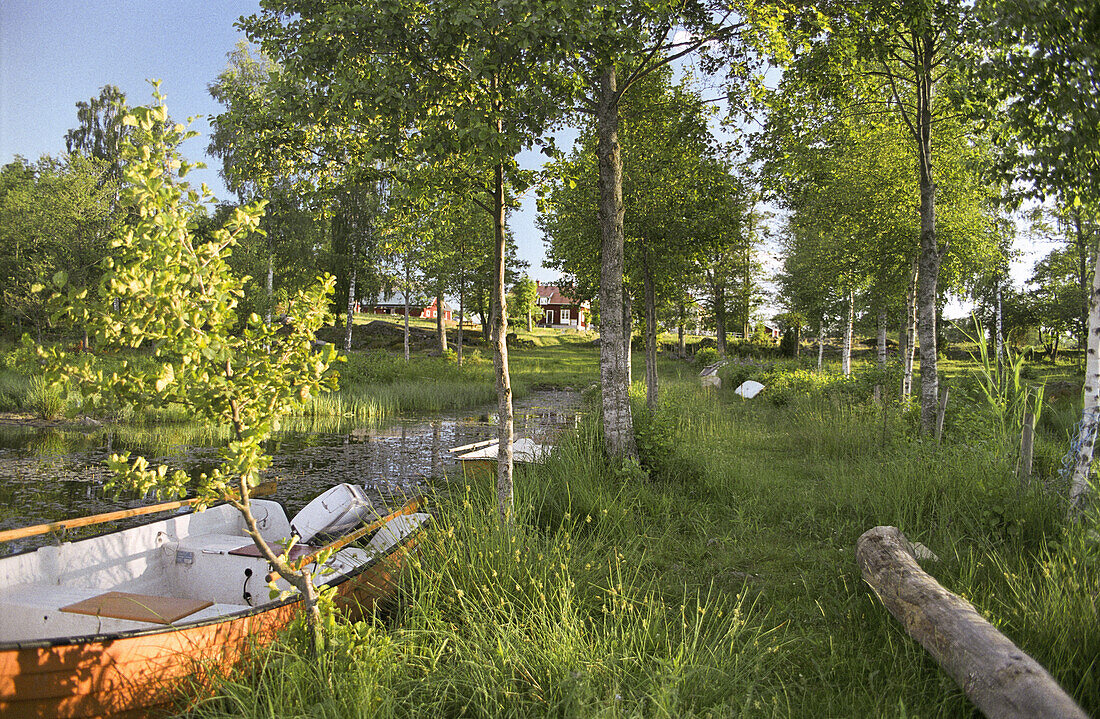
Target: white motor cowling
[[336, 511]]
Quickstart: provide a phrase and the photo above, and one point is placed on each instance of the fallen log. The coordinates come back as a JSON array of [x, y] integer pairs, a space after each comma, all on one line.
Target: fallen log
[[1001, 680]]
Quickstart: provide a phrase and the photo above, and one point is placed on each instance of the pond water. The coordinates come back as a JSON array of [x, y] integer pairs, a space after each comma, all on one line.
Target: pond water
[[52, 474]]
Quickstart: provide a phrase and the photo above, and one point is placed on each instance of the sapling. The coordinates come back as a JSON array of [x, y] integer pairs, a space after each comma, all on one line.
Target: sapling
[[170, 296]]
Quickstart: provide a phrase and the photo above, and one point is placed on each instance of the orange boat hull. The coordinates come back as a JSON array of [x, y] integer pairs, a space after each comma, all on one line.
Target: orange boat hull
[[145, 673]]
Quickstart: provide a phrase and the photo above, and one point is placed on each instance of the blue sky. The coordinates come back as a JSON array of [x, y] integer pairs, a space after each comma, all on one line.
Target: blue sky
[[54, 53]]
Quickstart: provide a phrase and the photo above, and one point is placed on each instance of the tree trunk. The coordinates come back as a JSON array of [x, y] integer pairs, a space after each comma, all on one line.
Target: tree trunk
[[849, 330], [720, 316], [270, 286], [680, 351], [910, 332], [999, 337], [500, 355], [821, 344], [1086, 437], [650, 336], [614, 369], [930, 253], [300, 580], [461, 316], [351, 294], [440, 323], [408, 284], [995, 674], [903, 351], [628, 336], [1081, 241], [880, 342]]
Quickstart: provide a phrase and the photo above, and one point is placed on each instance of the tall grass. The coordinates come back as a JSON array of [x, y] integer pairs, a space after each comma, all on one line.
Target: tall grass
[[44, 399], [721, 583], [532, 621]]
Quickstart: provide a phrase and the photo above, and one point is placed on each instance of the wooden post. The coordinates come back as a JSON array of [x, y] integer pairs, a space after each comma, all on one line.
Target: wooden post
[[1027, 446], [994, 673], [940, 414]]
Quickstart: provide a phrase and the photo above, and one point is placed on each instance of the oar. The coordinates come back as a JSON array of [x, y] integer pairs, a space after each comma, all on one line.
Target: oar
[[411, 506], [260, 490], [475, 445]]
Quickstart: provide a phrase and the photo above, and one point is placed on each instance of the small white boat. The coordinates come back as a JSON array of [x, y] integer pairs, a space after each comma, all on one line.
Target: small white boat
[[482, 461], [113, 624]]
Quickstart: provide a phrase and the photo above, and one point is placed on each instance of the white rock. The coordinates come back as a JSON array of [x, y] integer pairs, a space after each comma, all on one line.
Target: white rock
[[749, 389]]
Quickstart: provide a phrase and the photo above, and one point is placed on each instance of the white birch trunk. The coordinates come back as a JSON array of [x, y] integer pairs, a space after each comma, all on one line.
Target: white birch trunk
[[820, 344], [880, 342], [628, 335], [461, 318], [910, 332], [408, 282], [1086, 438], [999, 338], [849, 328], [505, 488]]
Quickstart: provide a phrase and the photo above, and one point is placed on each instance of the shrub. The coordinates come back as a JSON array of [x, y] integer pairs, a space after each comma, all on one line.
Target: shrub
[[707, 356]]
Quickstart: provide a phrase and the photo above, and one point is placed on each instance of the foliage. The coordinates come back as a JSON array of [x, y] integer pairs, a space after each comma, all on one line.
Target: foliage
[[55, 216], [101, 133], [167, 293], [707, 356], [523, 301], [1039, 65]]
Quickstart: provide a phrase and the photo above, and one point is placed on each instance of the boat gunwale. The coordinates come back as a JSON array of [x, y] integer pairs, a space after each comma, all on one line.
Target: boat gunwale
[[81, 639]]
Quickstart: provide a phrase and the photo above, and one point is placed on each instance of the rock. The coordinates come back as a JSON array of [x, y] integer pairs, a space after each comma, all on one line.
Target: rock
[[749, 389], [711, 381]]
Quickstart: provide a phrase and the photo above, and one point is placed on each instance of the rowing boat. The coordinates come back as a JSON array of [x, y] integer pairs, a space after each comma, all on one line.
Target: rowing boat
[[118, 624], [480, 462]]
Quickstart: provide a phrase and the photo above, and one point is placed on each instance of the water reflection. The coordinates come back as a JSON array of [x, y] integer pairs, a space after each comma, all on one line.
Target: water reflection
[[51, 474]]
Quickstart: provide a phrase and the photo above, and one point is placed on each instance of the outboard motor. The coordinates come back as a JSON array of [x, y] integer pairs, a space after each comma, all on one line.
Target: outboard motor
[[336, 511]]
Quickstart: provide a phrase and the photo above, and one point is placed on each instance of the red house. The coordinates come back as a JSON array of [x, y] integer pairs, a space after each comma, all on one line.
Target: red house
[[395, 305], [560, 311]]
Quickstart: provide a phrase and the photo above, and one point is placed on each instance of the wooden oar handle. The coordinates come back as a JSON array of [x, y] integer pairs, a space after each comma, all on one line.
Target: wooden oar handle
[[475, 445], [260, 490]]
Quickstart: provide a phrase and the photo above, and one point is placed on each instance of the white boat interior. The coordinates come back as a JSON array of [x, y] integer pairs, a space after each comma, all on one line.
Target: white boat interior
[[523, 450], [185, 569]]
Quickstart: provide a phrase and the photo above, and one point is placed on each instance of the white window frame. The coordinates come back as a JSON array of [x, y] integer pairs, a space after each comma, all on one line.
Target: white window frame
[[565, 315]]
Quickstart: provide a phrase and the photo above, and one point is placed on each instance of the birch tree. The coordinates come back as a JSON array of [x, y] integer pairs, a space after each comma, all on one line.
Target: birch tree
[[461, 86], [1040, 65]]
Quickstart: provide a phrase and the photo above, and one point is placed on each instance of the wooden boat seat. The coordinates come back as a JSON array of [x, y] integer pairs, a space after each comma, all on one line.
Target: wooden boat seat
[[138, 607], [296, 552]]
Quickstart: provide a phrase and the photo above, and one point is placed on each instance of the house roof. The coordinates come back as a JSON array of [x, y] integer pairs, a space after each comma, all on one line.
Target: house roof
[[397, 299], [551, 295]]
